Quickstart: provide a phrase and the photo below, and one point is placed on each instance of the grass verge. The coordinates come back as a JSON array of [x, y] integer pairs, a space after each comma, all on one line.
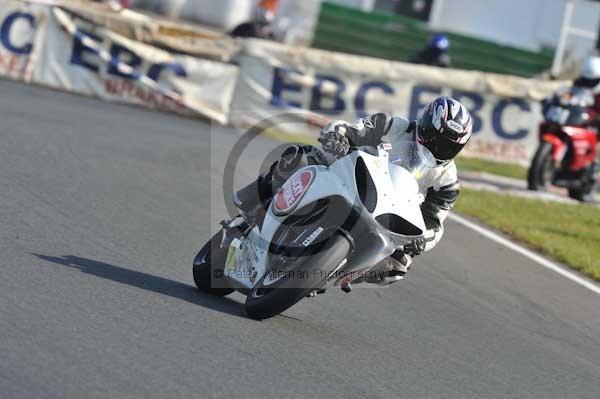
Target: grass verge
[[567, 233], [496, 168]]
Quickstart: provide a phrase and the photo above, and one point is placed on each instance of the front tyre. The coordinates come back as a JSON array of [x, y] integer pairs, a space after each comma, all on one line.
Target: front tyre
[[208, 268], [582, 194], [272, 296], [587, 193], [541, 169]]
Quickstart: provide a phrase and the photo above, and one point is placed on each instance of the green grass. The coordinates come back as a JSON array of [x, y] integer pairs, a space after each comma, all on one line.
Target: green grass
[[496, 168], [567, 233]]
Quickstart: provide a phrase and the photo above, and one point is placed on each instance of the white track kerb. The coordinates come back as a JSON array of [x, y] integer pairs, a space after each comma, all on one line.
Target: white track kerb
[[527, 253]]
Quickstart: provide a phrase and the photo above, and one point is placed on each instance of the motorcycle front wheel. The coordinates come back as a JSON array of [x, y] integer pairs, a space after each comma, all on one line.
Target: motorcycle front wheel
[[274, 294], [209, 267], [583, 194], [587, 193], [541, 169]]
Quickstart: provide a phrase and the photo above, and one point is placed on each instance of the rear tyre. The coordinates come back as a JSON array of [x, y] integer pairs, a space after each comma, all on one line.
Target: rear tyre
[[271, 297], [208, 268], [541, 169]]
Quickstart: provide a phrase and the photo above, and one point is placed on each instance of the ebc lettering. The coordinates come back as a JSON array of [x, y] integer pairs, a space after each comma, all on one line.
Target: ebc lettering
[[156, 69], [6, 30], [280, 84], [317, 98], [360, 100], [88, 57], [287, 92], [499, 110], [121, 54], [417, 103], [330, 101], [475, 102], [78, 54]]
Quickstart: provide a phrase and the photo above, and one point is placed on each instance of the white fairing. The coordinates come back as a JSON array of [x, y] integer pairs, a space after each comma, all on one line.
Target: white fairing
[[397, 190], [397, 193]]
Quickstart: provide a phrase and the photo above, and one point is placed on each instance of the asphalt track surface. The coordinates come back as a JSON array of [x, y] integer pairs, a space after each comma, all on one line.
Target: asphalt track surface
[[102, 208]]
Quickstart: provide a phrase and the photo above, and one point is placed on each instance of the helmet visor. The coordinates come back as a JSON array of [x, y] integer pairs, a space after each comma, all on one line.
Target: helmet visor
[[441, 147]]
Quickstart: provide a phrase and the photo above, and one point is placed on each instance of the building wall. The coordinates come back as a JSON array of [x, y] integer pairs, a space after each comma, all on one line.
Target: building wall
[[529, 24], [225, 14]]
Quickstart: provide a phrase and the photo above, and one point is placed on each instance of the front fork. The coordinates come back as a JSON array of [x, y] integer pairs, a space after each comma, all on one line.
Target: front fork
[[559, 148], [232, 229]]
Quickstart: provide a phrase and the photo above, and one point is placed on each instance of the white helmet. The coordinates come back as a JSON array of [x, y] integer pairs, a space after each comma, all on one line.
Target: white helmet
[[591, 68]]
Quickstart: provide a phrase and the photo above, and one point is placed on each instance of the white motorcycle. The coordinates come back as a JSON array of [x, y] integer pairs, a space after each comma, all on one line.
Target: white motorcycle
[[327, 225]]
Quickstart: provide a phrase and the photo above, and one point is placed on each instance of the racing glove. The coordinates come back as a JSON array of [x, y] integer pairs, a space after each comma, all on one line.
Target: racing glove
[[369, 131], [334, 140], [415, 248]]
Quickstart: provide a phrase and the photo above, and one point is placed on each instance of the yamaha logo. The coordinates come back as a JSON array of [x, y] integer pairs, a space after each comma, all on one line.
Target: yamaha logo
[[312, 237]]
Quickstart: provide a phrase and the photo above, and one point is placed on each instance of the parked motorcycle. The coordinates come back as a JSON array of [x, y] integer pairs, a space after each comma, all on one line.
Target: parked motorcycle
[[326, 226], [569, 153]]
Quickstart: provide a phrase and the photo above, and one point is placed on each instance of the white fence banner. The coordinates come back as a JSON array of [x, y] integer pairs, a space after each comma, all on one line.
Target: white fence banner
[[22, 28], [322, 85], [86, 59]]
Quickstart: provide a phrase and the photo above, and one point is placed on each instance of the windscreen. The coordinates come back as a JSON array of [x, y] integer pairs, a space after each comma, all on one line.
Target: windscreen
[[411, 156]]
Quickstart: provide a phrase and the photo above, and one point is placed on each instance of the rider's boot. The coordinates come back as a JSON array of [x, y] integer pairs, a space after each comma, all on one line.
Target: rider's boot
[[255, 194], [258, 194], [249, 200], [390, 270]]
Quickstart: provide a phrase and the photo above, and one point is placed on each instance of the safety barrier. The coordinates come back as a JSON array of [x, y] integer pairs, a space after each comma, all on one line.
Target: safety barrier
[[46, 45], [65, 49], [275, 78]]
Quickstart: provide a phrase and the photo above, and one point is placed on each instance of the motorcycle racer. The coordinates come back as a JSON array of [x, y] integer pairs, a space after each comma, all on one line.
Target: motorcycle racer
[[436, 52], [589, 78], [444, 128]]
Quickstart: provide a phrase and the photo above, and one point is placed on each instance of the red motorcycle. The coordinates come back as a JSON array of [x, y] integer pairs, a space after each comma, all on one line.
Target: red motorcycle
[[569, 152]]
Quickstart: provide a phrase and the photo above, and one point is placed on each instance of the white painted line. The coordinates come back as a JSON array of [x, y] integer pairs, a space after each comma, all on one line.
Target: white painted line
[[526, 253]]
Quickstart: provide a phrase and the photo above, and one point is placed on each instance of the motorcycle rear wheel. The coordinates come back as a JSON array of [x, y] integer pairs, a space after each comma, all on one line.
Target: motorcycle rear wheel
[[272, 297]]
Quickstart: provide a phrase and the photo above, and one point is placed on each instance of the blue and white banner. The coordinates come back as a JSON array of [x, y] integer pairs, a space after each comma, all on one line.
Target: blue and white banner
[[323, 86], [44, 44], [41, 43], [22, 32], [87, 59]]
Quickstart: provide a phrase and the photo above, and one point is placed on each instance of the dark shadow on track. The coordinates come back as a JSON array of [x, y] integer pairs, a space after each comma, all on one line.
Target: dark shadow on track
[[147, 282]]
